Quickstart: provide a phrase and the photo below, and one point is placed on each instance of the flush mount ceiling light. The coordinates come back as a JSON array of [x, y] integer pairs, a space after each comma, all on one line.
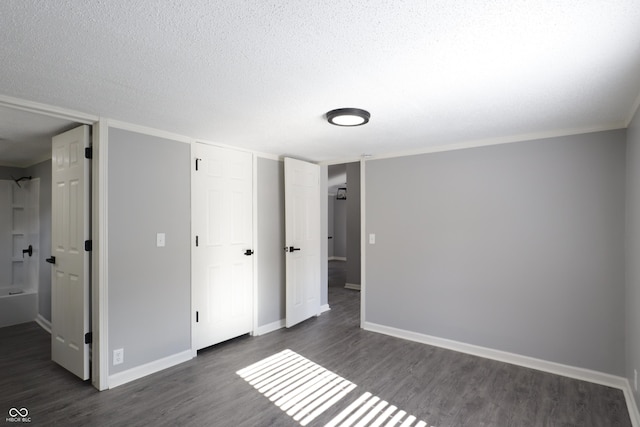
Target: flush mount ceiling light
[[348, 117]]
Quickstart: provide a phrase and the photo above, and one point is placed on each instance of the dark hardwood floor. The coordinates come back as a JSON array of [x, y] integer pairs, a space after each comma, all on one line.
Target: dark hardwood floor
[[440, 387]]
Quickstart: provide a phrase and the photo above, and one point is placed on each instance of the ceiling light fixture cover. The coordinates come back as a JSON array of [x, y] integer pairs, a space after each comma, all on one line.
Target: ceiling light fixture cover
[[348, 117]]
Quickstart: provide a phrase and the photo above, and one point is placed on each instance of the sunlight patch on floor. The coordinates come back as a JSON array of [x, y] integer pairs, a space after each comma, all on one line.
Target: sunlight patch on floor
[[304, 390]]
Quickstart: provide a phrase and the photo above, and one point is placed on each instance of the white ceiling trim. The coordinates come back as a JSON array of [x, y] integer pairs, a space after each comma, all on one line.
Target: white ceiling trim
[[48, 110], [132, 127], [255, 153], [498, 141]]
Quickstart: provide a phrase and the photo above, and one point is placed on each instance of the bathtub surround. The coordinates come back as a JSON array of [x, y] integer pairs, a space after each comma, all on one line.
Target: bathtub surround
[[17, 306], [42, 171], [19, 247], [39, 286]]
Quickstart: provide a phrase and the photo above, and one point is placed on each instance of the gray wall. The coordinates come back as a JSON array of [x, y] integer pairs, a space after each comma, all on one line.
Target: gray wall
[[516, 247], [353, 223], [633, 252], [43, 171], [340, 228], [149, 287], [270, 253]]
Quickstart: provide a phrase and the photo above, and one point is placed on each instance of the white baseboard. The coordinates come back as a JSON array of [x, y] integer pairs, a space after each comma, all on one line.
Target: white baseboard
[[44, 323], [149, 368], [279, 324], [354, 286], [503, 356], [270, 327], [631, 404], [337, 258]]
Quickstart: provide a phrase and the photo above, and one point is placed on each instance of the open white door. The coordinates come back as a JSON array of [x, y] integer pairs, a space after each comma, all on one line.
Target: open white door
[[69, 230], [302, 229], [222, 272]]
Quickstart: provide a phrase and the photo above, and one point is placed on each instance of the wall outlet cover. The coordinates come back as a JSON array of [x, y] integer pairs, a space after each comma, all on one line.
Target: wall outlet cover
[[118, 356]]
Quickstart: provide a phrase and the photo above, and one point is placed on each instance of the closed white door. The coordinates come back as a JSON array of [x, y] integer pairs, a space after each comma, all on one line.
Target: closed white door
[[69, 231], [302, 229], [223, 244]]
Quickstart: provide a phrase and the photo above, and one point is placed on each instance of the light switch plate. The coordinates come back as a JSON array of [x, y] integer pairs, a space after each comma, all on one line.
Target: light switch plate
[[160, 240], [372, 239]]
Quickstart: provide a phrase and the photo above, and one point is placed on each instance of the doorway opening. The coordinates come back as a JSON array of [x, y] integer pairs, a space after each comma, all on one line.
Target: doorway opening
[[26, 169], [343, 249]]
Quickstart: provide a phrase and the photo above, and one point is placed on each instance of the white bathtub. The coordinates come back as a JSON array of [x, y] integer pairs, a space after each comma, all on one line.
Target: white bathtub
[[17, 306]]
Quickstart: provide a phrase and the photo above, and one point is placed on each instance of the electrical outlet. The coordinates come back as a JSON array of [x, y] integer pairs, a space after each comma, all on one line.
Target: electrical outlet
[[118, 356], [635, 380]]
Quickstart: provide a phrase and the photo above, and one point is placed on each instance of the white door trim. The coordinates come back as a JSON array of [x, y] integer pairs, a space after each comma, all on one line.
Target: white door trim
[[192, 312], [363, 242], [99, 256], [254, 244]]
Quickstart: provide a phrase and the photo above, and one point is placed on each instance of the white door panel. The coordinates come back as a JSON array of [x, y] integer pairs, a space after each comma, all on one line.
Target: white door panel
[[70, 229], [302, 229], [223, 226]]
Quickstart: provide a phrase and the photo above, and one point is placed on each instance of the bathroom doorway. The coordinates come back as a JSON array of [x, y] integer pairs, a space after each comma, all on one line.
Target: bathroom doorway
[[25, 214]]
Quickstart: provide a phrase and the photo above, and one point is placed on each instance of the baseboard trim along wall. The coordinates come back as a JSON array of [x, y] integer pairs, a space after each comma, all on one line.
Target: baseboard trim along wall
[[516, 359], [149, 368], [270, 327], [354, 286], [279, 324], [631, 404], [44, 323]]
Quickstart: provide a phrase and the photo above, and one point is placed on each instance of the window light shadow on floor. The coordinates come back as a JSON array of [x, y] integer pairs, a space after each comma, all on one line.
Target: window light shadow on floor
[[304, 390]]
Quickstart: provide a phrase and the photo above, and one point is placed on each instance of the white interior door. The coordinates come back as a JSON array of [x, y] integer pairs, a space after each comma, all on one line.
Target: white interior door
[[223, 239], [69, 231], [302, 229]]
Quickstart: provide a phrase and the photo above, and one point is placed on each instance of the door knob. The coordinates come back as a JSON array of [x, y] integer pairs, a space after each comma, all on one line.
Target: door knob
[[292, 249], [27, 251], [248, 252], [51, 260]]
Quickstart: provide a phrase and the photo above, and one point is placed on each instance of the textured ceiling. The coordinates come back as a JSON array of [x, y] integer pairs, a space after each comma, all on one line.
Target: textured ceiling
[[261, 74]]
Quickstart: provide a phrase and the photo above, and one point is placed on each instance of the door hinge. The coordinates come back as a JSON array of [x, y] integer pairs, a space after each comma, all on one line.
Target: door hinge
[[196, 240], [88, 245], [88, 153], [197, 317], [197, 163], [88, 338]]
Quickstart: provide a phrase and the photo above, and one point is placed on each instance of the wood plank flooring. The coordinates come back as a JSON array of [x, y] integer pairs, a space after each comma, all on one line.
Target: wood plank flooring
[[441, 387]]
